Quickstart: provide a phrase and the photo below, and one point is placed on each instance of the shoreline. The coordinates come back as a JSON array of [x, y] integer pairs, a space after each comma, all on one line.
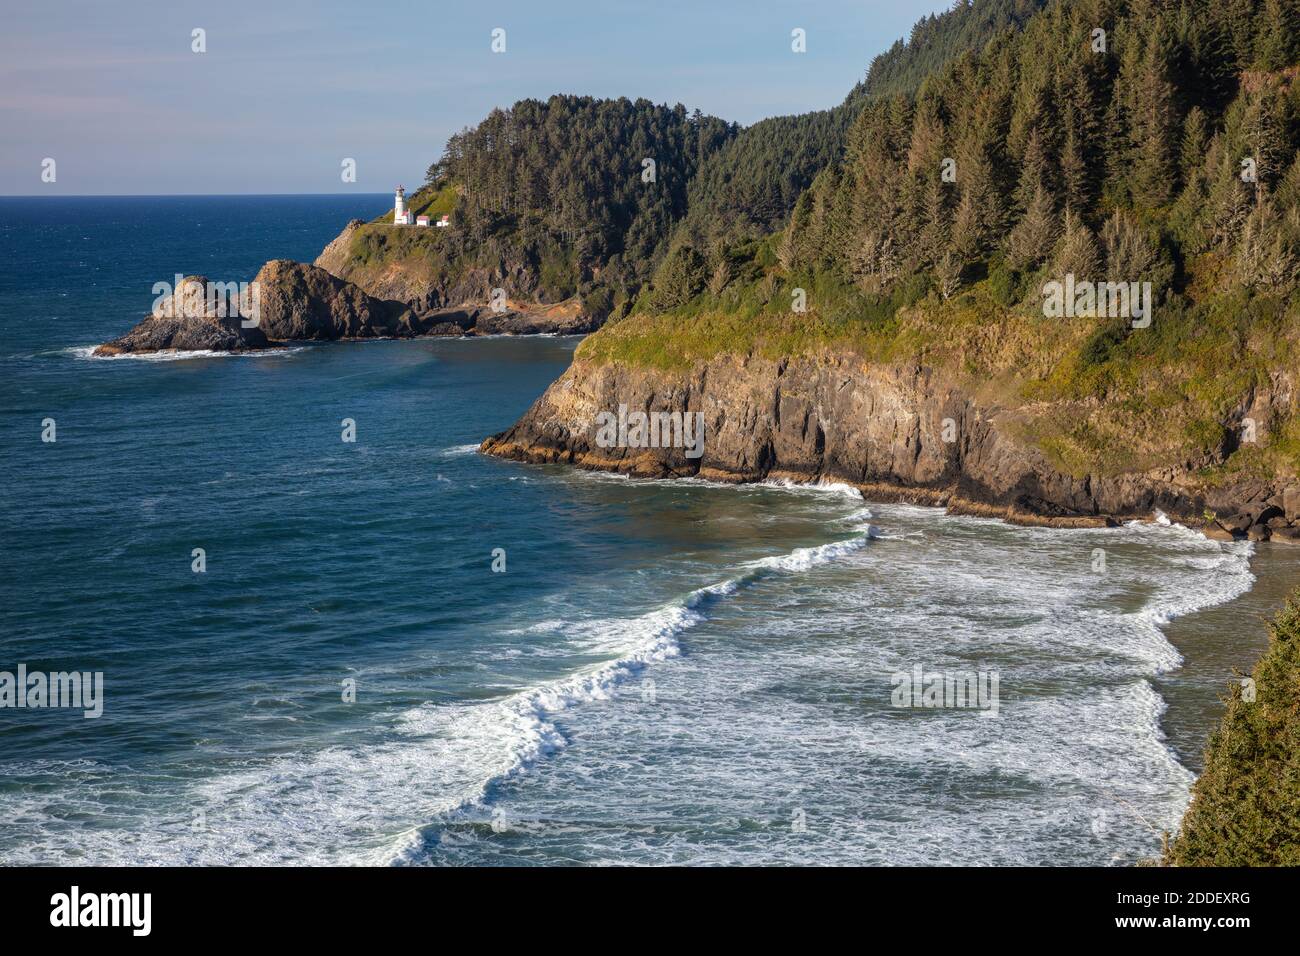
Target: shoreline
[[1218, 644], [898, 432], [650, 466], [1194, 692]]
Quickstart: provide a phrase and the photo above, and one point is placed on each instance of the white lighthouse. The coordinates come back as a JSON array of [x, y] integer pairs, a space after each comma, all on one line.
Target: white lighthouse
[[400, 215]]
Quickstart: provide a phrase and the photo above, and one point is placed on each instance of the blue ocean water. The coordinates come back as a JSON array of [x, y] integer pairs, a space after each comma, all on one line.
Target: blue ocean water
[[662, 673]]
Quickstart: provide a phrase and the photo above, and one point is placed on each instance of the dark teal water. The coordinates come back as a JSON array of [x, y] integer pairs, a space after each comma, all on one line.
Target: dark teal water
[[662, 673]]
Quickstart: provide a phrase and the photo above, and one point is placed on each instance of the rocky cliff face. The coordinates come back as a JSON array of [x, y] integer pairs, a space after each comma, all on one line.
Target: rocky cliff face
[[404, 271], [401, 275], [293, 302], [195, 317], [899, 433], [303, 303]]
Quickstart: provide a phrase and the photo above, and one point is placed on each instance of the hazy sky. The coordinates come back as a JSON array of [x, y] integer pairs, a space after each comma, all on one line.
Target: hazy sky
[[111, 90]]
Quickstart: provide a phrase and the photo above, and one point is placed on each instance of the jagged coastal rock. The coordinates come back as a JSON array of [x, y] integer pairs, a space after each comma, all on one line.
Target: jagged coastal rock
[[832, 416], [374, 280], [295, 302], [286, 302], [305, 303], [192, 318]]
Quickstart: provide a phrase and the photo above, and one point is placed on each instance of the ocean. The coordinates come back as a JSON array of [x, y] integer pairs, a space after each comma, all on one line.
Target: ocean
[[398, 651]]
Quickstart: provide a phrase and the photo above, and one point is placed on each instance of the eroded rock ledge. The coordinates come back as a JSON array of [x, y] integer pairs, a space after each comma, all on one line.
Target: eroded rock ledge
[[833, 417], [295, 302]]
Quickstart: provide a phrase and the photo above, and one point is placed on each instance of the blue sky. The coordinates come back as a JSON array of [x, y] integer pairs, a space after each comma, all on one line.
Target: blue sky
[[286, 90]]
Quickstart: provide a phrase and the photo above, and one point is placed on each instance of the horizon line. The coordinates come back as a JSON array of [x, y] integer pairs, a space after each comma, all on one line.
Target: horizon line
[[174, 195]]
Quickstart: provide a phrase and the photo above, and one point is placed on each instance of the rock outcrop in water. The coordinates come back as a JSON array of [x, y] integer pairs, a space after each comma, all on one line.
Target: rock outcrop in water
[[294, 302], [195, 317], [305, 303], [898, 433]]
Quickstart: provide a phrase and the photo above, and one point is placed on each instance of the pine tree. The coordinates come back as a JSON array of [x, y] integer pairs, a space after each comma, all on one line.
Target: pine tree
[[785, 250], [947, 274], [680, 277], [935, 236], [1195, 138], [967, 240], [1076, 176], [721, 278], [1034, 236], [1266, 137], [1076, 251], [1265, 258], [1229, 205], [875, 264], [1275, 46], [1033, 172], [1130, 255], [1151, 121], [1288, 190]]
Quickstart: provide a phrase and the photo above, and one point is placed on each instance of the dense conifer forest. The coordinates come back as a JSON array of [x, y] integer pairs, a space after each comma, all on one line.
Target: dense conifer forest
[[558, 189]]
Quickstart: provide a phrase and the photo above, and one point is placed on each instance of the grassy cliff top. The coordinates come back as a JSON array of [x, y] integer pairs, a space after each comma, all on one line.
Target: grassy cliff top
[[430, 201], [1112, 141], [1095, 395]]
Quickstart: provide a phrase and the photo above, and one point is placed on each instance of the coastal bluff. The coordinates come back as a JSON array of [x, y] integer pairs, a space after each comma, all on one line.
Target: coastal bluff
[[409, 264], [899, 432]]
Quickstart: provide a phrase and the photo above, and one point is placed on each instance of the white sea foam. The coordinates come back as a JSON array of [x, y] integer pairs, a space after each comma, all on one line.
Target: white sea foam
[[457, 451], [529, 715], [1221, 573], [87, 352], [803, 559], [786, 708], [822, 485], [440, 760], [1080, 724]]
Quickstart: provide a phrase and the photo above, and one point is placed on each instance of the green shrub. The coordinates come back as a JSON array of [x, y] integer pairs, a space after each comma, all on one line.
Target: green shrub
[[1003, 283], [679, 278], [1245, 807]]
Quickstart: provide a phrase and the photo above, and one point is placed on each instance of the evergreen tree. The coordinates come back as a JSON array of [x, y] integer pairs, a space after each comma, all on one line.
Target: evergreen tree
[[680, 277], [1033, 238], [1275, 46], [1076, 251], [1130, 255], [1149, 102], [1195, 137]]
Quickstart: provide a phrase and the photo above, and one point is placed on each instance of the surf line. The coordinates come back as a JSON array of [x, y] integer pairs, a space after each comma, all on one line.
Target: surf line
[[534, 709]]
